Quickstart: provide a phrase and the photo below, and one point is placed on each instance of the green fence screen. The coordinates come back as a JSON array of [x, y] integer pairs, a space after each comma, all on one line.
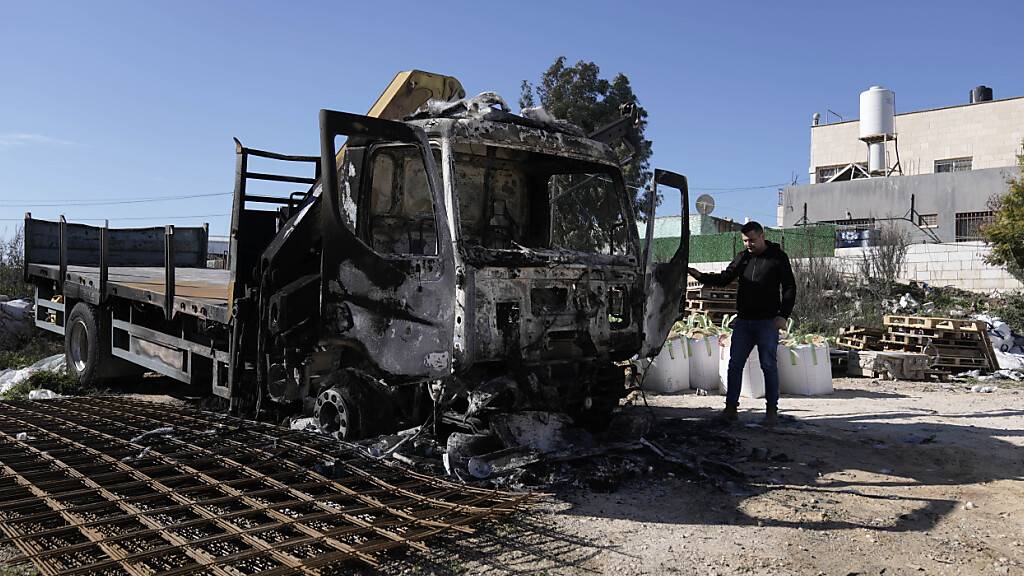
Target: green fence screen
[[801, 242]]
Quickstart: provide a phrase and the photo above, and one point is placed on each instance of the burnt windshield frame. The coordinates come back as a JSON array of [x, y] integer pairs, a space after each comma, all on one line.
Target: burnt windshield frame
[[536, 170]]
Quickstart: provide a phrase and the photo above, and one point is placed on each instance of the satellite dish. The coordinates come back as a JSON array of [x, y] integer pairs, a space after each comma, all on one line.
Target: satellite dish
[[705, 204]]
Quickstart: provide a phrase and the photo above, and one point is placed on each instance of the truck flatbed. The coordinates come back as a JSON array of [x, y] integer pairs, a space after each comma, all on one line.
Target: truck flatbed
[[199, 292]]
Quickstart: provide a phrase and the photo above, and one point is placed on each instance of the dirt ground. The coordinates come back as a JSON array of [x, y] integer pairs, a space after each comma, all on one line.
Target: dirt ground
[[879, 478]]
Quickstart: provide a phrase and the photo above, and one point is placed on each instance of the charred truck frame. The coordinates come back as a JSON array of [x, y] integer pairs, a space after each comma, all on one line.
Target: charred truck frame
[[461, 262]]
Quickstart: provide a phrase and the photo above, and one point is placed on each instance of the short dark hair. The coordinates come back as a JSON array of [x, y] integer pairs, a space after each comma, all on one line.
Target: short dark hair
[[752, 226]]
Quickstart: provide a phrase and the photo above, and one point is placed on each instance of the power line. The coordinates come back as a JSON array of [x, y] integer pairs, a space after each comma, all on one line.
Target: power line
[[112, 202], [740, 188], [719, 190], [132, 218]]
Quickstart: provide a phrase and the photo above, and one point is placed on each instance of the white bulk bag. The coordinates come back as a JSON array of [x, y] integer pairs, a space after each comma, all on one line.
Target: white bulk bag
[[703, 353], [819, 371], [805, 370], [792, 363], [753, 378], [670, 371]]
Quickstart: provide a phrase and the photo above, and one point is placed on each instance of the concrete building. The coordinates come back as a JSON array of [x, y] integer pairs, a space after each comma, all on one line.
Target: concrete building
[[952, 161], [941, 167]]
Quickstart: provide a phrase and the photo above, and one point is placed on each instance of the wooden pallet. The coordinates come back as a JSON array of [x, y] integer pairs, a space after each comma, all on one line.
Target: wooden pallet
[[848, 343], [961, 362], [858, 343], [715, 317], [961, 339], [921, 339], [861, 331], [722, 290], [930, 323], [718, 299], [709, 306]]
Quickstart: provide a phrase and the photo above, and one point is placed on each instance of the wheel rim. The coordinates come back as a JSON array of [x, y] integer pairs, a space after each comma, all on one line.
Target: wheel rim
[[79, 345], [333, 413]]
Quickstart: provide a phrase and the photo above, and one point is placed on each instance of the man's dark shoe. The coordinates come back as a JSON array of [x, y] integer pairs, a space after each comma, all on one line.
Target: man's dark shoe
[[728, 415], [771, 416]]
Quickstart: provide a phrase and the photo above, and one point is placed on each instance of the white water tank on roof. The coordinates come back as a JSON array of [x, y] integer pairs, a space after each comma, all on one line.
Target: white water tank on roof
[[877, 112]]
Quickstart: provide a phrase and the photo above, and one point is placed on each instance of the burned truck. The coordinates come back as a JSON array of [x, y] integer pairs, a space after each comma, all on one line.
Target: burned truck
[[462, 262]]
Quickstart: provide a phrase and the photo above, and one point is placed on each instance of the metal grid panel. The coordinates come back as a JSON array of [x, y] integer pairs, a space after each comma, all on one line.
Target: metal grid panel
[[107, 485]]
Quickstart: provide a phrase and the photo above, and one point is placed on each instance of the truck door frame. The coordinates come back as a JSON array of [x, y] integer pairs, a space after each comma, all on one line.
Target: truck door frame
[[401, 317]]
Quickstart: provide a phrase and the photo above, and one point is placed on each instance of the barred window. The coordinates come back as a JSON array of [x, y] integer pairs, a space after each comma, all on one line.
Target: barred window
[[928, 220], [969, 224], [953, 165]]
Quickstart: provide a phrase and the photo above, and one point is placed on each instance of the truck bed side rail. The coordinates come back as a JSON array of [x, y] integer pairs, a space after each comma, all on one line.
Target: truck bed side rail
[[64, 244], [49, 242]]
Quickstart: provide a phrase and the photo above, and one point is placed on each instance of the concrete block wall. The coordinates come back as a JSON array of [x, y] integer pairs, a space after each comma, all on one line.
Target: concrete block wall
[[961, 265]]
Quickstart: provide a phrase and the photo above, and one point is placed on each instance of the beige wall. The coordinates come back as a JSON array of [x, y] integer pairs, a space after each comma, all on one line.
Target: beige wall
[[988, 132]]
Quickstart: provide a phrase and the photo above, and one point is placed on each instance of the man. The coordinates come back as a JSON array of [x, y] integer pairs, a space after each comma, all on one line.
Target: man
[[764, 301]]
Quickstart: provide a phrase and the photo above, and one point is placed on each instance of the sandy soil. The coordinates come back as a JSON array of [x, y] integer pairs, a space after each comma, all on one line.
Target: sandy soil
[[879, 478]]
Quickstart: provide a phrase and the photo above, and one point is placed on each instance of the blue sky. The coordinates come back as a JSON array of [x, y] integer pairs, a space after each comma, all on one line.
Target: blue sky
[[134, 100]]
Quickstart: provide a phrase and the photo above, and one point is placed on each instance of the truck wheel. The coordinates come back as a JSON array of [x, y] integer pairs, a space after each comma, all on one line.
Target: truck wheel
[[84, 348], [336, 412], [87, 349]]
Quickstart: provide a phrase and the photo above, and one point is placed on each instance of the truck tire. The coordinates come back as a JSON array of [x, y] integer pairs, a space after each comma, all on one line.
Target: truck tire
[[84, 348], [87, 348]]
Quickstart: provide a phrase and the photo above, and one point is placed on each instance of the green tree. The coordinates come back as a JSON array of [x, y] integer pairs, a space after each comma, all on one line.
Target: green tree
[[12, 280], [1005, 234], [579, 95]]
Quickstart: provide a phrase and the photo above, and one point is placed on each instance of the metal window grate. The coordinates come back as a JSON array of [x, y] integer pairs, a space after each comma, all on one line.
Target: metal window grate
[[969, 224], [953, 165], [928, 220]]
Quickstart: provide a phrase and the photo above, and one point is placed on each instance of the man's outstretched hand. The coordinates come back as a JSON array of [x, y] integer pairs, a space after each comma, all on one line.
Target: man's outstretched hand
[[694, 272]]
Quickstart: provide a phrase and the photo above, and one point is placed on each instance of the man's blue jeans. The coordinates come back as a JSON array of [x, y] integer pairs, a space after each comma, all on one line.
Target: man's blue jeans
[[747, 334]]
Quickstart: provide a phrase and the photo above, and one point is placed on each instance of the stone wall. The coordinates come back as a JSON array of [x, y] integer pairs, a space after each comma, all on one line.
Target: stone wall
[[961, 265]]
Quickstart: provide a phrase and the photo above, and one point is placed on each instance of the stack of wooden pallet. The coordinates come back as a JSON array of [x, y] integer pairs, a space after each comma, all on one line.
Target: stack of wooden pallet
[[953, 345], [712, 301], [859, 338]]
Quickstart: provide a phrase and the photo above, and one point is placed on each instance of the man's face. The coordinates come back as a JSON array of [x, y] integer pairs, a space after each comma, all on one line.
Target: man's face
[[753, 241]]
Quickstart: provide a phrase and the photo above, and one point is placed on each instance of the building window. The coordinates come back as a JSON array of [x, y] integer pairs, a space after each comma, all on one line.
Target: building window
[[928, 220], [953, 165], [969, 224], [852, 222], [824, 173]]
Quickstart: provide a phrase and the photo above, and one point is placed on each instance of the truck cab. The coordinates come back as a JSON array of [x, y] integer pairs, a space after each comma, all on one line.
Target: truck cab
[[474, 262]]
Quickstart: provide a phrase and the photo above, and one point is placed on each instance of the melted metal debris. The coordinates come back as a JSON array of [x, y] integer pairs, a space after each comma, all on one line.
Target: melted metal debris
[[492, 107]]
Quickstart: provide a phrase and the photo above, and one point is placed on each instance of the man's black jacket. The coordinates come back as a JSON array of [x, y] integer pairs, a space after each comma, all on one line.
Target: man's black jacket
[[766, 285]]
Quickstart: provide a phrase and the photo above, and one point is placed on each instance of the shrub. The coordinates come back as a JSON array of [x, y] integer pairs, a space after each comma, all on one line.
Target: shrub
[[57, 380]]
